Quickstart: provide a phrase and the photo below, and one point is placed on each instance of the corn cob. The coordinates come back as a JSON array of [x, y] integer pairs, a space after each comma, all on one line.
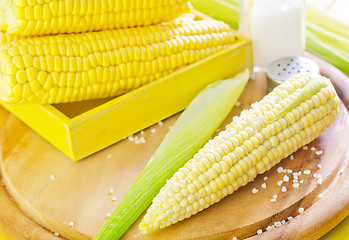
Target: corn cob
[[293, 115], [38, 17], [77, 67], [5, 37]]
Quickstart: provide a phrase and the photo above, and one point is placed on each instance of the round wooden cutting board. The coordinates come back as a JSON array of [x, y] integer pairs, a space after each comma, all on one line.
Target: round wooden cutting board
[[45, 193]]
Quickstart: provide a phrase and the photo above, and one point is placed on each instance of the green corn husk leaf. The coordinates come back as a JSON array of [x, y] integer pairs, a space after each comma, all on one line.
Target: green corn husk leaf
[[191, 131], [324, 20], [333, 39], [219, 9], [326, 52]]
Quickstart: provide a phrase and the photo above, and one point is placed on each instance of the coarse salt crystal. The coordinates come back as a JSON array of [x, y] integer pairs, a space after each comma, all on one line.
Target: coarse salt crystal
[[277, 224], [255, 190], [301, 181], [289, 218], [305, 148], [283, 222], [114, 198], [319, 152], [131, 138], [306, 172], [275, 196], [109, 156], [286, 178], [108, 214], [289, 171], [280, 170], [237, 104], [153, 130], [264, 185], [295, 185], [321, 195], [283, 189], [52, 177], [235, 238], [319, 181], [273, 200], [313, 148], [142, 132], [160, 123], [300, 210], [265, 178], [56, 234], [315, 175], [319, 165], [111, 191], [71, 224], [280, 183], [291, 157], [270, 228], [260, 231]]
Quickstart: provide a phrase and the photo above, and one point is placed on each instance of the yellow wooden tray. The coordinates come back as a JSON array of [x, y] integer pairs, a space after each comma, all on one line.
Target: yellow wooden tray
[[81, 129]]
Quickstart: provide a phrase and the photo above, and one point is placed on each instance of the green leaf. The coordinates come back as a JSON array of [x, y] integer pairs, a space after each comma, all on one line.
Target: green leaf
[[191, 131]]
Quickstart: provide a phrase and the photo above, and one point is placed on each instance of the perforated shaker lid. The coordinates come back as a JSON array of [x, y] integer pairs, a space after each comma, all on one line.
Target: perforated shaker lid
[[284, 68]]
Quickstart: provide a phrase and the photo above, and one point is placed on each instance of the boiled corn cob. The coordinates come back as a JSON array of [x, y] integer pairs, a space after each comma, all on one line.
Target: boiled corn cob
[[75, 67], [293, 115], [5, 37], [38, 17]]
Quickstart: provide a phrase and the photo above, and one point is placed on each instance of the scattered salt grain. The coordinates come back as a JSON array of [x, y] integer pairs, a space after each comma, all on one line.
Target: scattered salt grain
[[255, 190], [111, 191], [273, 200], [295, 185], [108, 214], [52, 177], [289, 171], [264, 185], [142, 132], [265, 178], [160, 123], [291, 157], [319, 181], [260, 231], [300, 210], [301, 181], [109, 156], [277, 224], [237, 104], [286, 178], [305, 148], [283, 189], [313, 148], [319, 152], [306, 172], [289, 218], [319, 165], [114, 198], [131, 138], [56, 234], [269, 228], [280, 170], [71, 224], [275, 196], [283, 222], [235, 238], [153, 130], [280, 183], [315, 175]]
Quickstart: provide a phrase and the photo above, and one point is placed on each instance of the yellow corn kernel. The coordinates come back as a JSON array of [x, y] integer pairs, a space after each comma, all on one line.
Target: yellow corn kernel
[[35, 17], [284, 131]]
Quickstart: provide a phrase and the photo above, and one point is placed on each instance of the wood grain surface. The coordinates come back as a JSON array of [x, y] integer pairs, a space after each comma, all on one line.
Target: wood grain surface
[[51, 193]]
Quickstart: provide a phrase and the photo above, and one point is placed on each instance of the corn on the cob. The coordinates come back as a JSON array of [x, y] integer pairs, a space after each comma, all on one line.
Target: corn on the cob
[[293, 115], [37, 17], [77, 67], [5, 37]]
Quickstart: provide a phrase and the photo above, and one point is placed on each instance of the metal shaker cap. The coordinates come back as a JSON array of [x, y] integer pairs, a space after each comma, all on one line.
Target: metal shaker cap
[[284, 68]]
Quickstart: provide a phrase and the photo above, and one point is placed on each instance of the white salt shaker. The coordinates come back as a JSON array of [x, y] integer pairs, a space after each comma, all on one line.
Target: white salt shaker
[[276, 28]]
